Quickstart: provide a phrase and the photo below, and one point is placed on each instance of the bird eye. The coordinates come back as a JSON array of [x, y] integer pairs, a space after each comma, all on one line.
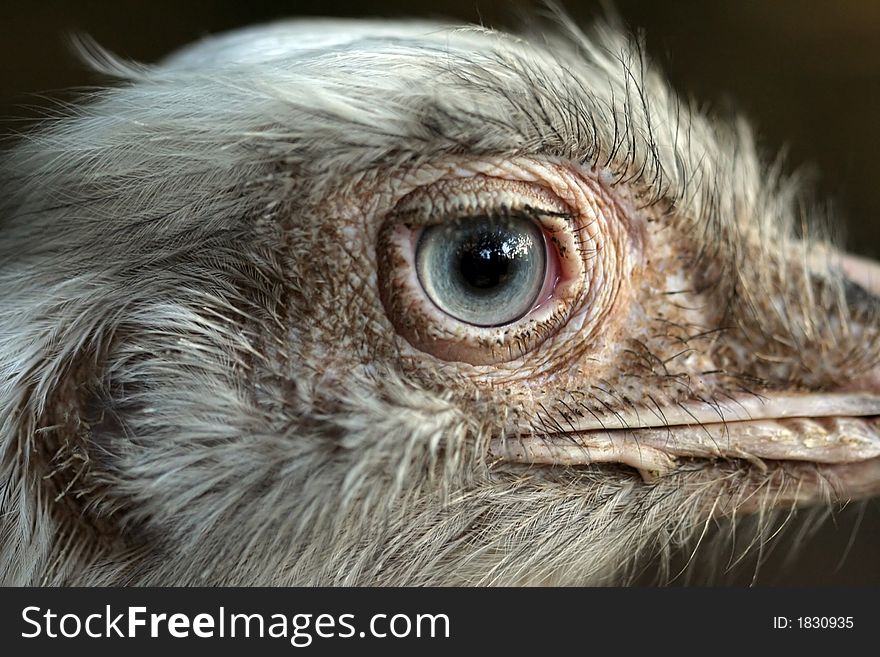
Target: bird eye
[[484, 271]]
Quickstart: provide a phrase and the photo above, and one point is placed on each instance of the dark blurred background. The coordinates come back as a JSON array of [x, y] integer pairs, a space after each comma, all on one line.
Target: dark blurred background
[[806, 73]]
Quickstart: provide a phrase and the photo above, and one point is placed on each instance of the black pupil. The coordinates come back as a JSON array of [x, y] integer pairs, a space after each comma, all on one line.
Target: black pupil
[[484, 262]]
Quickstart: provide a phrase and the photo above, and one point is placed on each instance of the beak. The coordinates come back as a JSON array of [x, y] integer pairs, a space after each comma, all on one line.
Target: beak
[[827, 443], [862, 272]]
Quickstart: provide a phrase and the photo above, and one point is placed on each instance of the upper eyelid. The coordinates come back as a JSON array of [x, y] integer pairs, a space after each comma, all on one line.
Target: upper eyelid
[[488, 211], [478, 195]]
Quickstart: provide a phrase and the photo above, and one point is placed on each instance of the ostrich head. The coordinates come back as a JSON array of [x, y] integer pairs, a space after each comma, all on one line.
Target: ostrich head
[[401, 303]]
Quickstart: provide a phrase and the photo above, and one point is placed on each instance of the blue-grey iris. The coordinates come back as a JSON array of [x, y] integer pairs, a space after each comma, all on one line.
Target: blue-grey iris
[[485, 271]]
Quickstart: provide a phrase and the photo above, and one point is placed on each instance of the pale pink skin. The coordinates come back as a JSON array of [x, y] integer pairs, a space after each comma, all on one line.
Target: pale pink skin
[[863, 271]]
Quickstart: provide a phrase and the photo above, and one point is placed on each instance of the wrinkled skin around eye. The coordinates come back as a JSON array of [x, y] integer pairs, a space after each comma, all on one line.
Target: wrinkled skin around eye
[[590, 242], [618, 260]]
